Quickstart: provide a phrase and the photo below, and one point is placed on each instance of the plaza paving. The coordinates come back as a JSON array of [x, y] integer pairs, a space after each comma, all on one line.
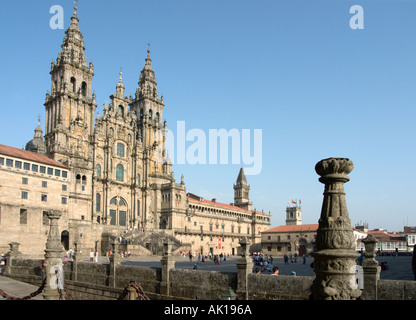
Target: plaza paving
[[399, 268]]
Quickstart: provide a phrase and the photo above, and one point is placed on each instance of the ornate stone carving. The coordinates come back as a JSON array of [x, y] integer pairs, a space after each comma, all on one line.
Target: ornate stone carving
[[335, 256]]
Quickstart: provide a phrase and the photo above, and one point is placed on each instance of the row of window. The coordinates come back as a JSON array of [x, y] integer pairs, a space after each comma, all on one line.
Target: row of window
[[288, 237], [117, 210], [217, 227], [24, 215], [25, 180], [74, 87], [218, 211], [33, 167], [157, 116], [43, 197], [119, 173]]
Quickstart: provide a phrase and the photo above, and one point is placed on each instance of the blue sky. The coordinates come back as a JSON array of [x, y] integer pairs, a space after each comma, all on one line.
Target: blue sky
[[294, 69]]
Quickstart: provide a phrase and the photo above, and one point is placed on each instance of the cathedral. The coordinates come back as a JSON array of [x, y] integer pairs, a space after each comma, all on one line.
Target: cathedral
[[110, 175]]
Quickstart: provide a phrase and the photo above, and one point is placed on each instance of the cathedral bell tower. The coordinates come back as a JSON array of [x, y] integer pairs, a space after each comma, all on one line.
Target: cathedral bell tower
[[69, 106], [241, 192], [149, 110]]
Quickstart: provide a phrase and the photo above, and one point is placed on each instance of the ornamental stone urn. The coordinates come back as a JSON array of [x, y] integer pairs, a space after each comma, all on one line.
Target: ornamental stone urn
[[334, 264]]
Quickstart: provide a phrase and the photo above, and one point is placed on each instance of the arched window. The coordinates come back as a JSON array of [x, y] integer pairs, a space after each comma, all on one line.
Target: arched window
[[84, 179], [98, 170], [122, 203], [120, 149], [141, 114], [120, 173], [118, 212], [84, 89], [78, 178], [73, 84], [138, 180], [121, 109], [157, 116], [150, 114]]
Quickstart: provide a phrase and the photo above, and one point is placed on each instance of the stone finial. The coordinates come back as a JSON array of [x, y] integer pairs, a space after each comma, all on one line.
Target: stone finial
[[370, 251], [167, 247], [334, 264], [245, 246]]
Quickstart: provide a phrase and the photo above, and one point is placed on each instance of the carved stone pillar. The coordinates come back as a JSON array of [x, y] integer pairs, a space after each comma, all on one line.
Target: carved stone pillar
[[371, 269], [115, 260], [334, 264], [53, 258], [244, 268], [168, 263], [77, 256], [14, 253]]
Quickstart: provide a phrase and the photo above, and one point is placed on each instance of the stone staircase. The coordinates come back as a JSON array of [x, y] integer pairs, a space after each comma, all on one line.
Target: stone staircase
[[151, 240]]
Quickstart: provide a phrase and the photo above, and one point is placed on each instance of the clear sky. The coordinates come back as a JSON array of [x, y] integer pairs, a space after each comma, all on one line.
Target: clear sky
[[296, 70]]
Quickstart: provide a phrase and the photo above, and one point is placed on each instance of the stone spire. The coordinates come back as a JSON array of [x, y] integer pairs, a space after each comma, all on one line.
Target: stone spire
[[242, 191], [147, 82], [73, 45], [120, 86], [241, 179]]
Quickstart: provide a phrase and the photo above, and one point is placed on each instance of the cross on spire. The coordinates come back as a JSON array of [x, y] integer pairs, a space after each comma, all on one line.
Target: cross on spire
[[75, 7]]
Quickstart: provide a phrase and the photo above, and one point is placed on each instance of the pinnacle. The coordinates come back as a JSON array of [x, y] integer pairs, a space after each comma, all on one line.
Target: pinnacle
[[241, 177]]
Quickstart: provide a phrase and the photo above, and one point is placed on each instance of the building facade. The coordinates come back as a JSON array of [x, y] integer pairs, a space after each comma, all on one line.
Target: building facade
[[117, 173], [294, 237]]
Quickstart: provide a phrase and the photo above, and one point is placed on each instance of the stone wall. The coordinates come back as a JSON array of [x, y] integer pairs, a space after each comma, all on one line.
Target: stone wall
[[199, 284], [92, 283], [396, 290], [268, 287]]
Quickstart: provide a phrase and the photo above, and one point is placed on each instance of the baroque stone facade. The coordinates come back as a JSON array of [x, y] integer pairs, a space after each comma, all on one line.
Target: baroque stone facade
[[118, 176]]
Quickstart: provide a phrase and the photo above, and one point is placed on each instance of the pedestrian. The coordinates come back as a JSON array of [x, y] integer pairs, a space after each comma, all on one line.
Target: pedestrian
[[414, 261], [91, 255], [275, 271], [304, 259], [96, 256]]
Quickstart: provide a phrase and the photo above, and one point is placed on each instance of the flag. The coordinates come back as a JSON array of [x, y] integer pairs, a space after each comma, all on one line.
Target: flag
[[299, 201], [291, 201]]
